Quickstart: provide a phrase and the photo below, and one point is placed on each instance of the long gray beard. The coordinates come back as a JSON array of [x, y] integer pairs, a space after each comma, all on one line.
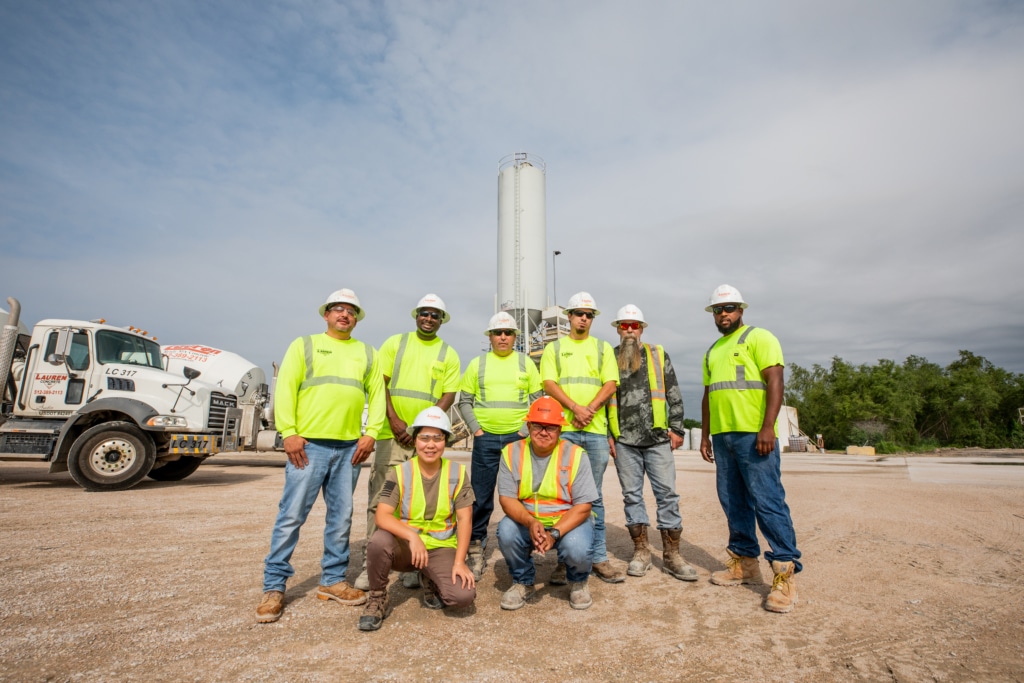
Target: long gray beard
[[630, 355]]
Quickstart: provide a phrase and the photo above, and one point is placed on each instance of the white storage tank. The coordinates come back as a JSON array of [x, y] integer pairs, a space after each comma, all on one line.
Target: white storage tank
[[522, 239]]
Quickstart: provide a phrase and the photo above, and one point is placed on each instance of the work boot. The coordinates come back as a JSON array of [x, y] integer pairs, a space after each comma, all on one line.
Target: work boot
[[558, 575], [475, 559], [411, 579], [431, 596], [671, 560], [362, 581], [607, 572], [376, 611], [271, 607], [579, 595], [341, 592], [738, 569], [783, 595], [517, 596], [641, 561]]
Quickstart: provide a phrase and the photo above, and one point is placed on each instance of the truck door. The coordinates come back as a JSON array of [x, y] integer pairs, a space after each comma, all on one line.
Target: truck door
[[59, 377]]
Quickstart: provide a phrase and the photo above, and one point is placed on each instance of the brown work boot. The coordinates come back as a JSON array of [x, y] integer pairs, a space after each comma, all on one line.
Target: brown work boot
[[783, 595], [738, 569], [431, 595], [475, 559], [271, 607], [607, 572], [641, 561], [376, 611], [341, 592], [558, 575], [671, 560]]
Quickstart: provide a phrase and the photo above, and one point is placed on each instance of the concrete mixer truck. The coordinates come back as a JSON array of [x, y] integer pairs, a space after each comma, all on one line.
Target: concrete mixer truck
[[110, 406]]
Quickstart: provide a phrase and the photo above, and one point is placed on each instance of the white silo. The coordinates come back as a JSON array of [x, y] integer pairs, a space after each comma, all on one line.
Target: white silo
[[522, 239]]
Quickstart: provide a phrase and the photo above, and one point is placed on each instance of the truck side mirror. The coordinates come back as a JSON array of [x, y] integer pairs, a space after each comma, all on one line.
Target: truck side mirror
[[190, 373]]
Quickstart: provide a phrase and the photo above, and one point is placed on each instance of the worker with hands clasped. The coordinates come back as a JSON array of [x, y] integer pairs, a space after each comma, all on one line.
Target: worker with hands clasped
[[646, 418], [546, 490], [424, 519], [579, 371], [497, 389], [420, 370], [322, 386], [743, 390]]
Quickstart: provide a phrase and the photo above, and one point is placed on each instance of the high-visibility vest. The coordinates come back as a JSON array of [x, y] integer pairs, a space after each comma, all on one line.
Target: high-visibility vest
[[553, 497], [656, 381], [439, 531], [746, 362], [396, 388], [737, 392], [311, 380]]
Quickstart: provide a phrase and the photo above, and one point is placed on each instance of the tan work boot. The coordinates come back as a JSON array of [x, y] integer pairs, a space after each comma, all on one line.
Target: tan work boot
[[641, 561], [607, 572], [671, 560], [376, 611], [579, 595], [558, 575], [271, 607], [341, 592], [738, 569], [783, 595], [475, 559]]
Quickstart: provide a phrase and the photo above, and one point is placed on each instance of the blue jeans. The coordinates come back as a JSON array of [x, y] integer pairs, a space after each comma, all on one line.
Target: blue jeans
[[330, 469], [484, 476], [596, 446], [660, 466], [749, 489], [517, 547]]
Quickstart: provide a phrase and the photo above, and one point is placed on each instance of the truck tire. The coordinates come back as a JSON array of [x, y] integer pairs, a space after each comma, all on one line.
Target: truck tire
[[112, 456], [176, 470]]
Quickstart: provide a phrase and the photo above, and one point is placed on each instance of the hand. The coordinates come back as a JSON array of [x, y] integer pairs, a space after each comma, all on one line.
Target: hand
[[461, 571], [538, 535], [705, 449], [547, 543], [295, 448], [398, 427], [478, 432], [766, 440], [582, 413], [611, 447], [675, 440], [364, 447], [418, 552]]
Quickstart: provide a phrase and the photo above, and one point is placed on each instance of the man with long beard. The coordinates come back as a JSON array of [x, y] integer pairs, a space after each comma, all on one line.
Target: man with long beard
[[646, 419]]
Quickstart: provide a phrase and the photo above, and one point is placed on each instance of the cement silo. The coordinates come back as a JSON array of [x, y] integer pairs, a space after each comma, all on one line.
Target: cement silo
[[522, 239]]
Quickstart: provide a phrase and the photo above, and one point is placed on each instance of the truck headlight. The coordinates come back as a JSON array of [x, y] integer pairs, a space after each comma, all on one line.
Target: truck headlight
[[167, 421]]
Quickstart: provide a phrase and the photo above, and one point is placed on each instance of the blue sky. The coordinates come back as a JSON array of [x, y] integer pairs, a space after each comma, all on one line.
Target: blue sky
[[211, 171]]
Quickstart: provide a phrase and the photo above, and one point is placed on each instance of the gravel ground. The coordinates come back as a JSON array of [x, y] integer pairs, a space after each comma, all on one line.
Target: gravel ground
[[904, 581]]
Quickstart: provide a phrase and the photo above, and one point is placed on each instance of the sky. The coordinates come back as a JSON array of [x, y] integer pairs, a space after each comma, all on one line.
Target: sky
[[212, 171]]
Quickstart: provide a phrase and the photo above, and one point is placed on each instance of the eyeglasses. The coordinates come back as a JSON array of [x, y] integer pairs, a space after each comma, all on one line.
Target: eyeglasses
[[430, 438], [589, 315], [728, 308], [545, 429], [433, 315], [629, 326], [503, 333], [343, 309]]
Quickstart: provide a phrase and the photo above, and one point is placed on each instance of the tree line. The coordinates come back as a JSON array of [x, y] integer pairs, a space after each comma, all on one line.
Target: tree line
[[915, 406]]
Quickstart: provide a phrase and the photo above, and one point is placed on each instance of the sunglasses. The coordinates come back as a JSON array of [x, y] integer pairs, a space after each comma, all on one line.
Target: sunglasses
[[629, 326], [433, 315], [503, 333], [544, 429], [728, 308], [583, 314]]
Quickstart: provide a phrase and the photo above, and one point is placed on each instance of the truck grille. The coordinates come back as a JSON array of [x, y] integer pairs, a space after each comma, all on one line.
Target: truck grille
[[219, 404]]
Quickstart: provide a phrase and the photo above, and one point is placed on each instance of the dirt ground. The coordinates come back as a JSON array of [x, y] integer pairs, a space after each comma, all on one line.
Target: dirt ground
[[904, 581]]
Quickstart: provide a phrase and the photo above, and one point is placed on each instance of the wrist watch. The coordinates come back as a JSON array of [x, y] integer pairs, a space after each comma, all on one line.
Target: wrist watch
[[555, 534]]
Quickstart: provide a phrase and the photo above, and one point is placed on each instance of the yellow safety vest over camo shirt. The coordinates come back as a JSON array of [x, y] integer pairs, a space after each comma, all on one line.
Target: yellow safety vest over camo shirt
[[648, 402]]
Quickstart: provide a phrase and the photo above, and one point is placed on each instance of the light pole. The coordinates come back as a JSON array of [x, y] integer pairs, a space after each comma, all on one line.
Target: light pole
[[554, 278]]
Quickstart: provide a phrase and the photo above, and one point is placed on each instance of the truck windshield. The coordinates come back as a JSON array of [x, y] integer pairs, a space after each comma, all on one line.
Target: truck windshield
[[118, 347]]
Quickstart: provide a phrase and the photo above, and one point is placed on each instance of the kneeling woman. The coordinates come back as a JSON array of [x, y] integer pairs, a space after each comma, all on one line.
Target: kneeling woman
[[424, 520]]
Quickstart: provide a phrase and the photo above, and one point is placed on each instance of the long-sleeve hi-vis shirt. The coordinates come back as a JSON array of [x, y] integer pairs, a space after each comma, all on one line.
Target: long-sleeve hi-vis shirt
[[322, 387]]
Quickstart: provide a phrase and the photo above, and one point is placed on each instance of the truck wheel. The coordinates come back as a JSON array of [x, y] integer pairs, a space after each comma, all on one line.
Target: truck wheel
[[176, 470], [112, 456]]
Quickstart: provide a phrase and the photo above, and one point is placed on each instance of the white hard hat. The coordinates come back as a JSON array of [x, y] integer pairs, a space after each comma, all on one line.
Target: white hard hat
[[343, 296], [432, 301], [501, 321], [725, 294], [431, 417], [629, 312], [582, 300]]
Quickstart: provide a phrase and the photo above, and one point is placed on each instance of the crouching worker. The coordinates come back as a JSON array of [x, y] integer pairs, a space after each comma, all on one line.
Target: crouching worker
[[424, 520], [546, 488]]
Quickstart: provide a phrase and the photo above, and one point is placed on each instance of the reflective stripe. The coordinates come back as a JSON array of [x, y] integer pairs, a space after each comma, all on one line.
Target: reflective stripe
[[311, 381], [482, 402], [581, 380], [410, 485], [741, 382], [407, 393]]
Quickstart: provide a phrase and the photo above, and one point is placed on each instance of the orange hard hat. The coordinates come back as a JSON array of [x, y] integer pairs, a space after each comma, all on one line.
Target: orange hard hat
[[546, 411]]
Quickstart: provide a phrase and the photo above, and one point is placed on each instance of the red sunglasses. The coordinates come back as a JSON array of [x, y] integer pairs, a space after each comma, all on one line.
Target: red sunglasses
[[629, 326]]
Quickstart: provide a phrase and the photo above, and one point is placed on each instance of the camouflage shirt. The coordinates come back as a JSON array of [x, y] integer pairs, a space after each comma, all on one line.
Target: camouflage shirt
[[636, 414]]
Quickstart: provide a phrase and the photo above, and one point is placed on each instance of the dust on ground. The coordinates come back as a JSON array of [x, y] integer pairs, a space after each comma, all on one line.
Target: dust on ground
[[904, 581]]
